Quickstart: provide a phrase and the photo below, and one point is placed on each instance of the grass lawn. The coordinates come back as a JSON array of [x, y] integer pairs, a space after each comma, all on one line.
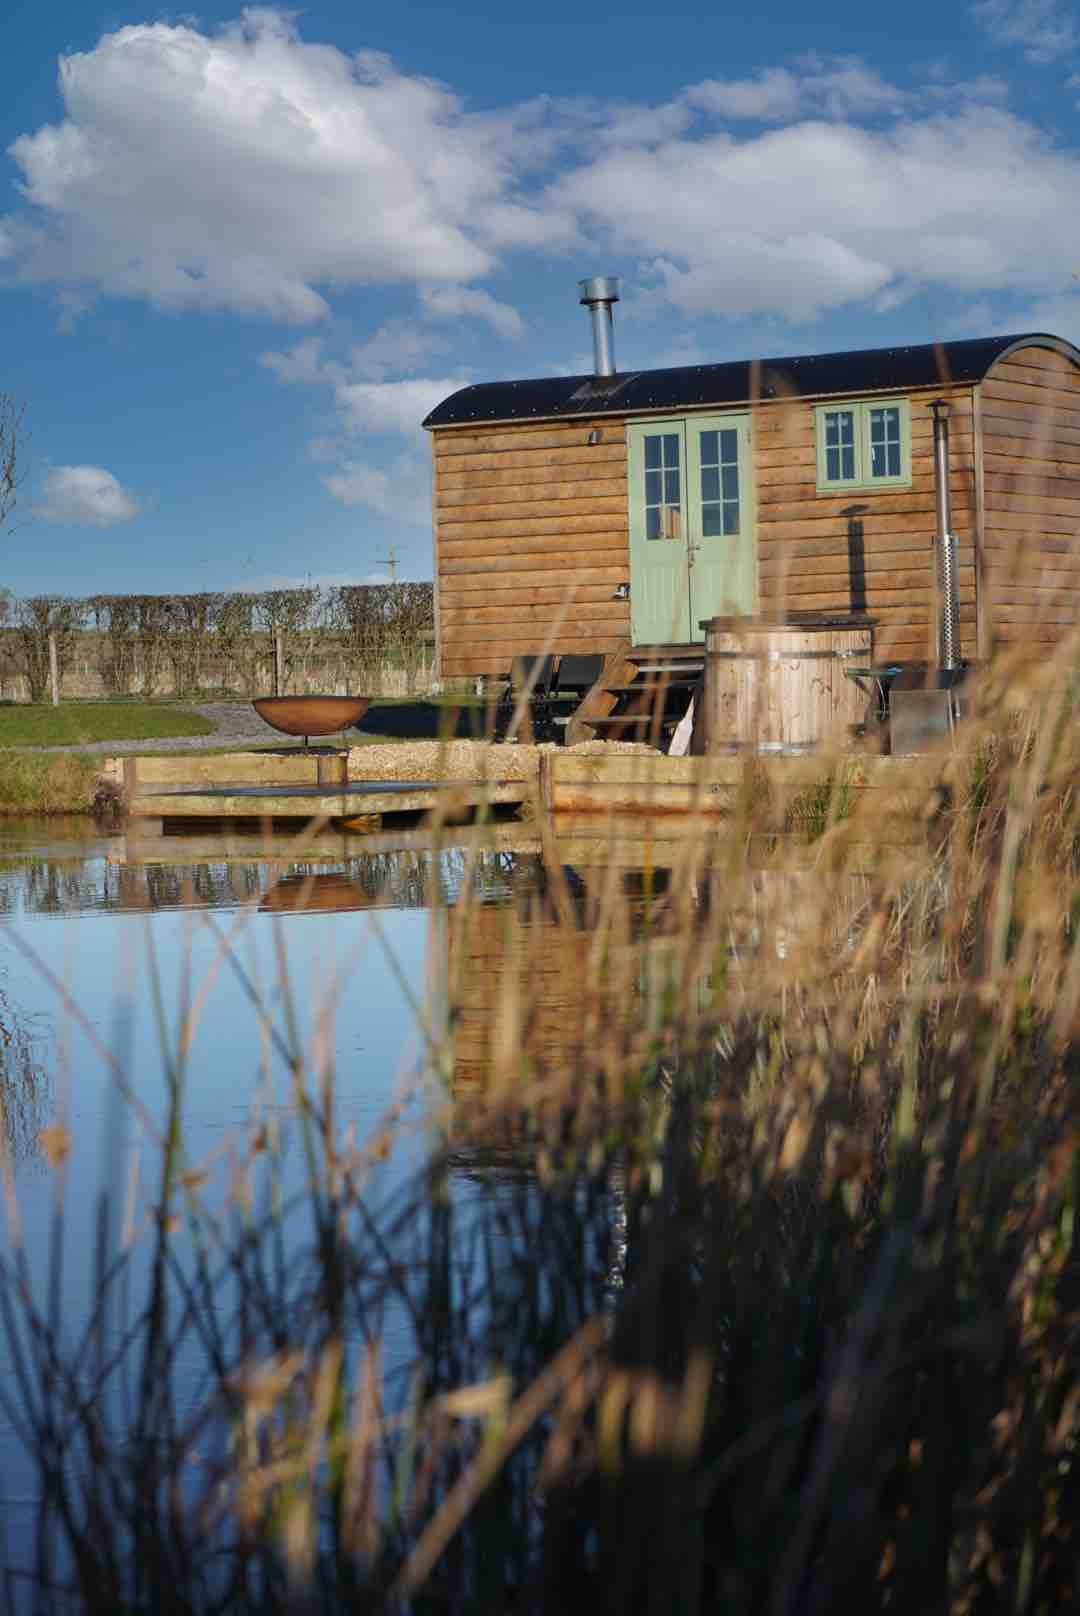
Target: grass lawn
[[32, 783], [79, 722]]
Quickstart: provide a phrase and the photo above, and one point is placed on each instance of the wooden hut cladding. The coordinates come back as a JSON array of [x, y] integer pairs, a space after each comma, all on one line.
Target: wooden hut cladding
[[713, 489], [530, 542], [1027, 414], [868, 550]]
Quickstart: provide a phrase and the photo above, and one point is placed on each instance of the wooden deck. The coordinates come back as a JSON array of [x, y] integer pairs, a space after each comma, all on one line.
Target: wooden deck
[[294, 788], [633, 797]]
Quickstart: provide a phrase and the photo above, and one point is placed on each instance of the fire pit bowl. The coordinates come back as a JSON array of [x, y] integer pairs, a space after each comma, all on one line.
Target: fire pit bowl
[[311, 715], [301, 894]]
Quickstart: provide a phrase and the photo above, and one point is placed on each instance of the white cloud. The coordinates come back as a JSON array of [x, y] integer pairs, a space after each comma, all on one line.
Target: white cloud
[[249, 169], [367, 407], [85, 496], [400, 491], [303, 363], [452, 302], [398, 406], [817, 215], [1045, 30], [246, 169], [399, 346], [839, 87], [1058, 315]]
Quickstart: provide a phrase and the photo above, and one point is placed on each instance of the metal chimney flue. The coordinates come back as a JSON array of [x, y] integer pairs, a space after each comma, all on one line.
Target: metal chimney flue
[[598, 293], [948, 594]]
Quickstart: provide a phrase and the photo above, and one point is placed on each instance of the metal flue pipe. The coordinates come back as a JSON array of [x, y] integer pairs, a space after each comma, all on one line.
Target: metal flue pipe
[[948, 646], [598, 293]]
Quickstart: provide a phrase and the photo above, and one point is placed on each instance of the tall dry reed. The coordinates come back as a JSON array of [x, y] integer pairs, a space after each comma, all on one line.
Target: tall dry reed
[[742, 1273]]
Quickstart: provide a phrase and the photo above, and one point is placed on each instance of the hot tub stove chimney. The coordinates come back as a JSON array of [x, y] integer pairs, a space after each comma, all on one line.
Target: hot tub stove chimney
[[598, 293]]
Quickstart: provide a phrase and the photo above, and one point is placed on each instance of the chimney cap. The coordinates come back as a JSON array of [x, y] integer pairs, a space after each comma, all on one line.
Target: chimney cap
[[600, 289]]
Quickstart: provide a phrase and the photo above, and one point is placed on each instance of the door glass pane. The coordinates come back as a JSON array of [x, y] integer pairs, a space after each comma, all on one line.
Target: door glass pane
[[719, 482], [663, 485], [885, 442]]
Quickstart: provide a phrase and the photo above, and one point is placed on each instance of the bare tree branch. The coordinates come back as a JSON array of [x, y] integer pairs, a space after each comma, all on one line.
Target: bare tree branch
[[11, 415]]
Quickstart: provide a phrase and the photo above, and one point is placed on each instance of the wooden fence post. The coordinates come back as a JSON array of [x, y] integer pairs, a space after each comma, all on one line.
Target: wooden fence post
[[54, 669], [279, 664]]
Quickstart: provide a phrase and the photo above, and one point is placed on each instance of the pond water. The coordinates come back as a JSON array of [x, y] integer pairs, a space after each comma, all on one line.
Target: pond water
[[102, 944], [208, 973]]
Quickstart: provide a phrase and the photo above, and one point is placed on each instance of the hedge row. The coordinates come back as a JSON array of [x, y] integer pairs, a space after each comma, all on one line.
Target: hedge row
[[351, 634]]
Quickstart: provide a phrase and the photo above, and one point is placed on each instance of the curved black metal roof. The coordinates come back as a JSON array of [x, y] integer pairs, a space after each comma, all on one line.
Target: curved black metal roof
[[868, 370]]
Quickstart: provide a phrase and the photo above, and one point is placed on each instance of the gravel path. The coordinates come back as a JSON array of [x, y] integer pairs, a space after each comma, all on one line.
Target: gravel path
[[234, 720]]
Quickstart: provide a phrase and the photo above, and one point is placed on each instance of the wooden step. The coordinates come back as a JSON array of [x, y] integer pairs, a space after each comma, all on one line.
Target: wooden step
[[693, 648], [634, 720], [685, 665], [646, 659], [651, 687]]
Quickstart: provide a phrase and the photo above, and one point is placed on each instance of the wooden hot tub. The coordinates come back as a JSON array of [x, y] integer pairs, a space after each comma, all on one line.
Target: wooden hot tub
[[777, 684]]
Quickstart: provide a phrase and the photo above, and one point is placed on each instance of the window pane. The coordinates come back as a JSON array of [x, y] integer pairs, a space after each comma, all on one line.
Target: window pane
[[712, 522], [885, 442], [840, 445], [653, 482], [731, 518], [885, 461], [729, 445], [671, 448], [731, 482], [652, 453], [884, 425], [652, 522], [710, 482], [671, 487], [708, 448]]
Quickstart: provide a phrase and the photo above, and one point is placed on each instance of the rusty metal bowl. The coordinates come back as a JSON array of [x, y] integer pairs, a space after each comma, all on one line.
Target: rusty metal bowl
[[311, 715]]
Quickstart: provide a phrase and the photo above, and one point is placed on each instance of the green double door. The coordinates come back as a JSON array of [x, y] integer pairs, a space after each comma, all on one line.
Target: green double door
[[691, 525]]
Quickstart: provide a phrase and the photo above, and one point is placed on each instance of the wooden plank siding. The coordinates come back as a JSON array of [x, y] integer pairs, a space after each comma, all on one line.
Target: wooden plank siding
[[531, 524], [532, 535], [532, 540], [1029, 405], [867, 550]]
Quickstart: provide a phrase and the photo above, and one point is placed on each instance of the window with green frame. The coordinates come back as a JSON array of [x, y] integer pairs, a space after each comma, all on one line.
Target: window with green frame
[[865, 444]]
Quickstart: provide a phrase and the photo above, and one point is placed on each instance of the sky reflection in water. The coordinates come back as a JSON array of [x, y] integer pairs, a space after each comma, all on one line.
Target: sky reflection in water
[[356, 967]]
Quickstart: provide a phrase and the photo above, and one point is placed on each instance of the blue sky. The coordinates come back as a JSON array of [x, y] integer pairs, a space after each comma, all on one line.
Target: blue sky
[[243, 252]]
